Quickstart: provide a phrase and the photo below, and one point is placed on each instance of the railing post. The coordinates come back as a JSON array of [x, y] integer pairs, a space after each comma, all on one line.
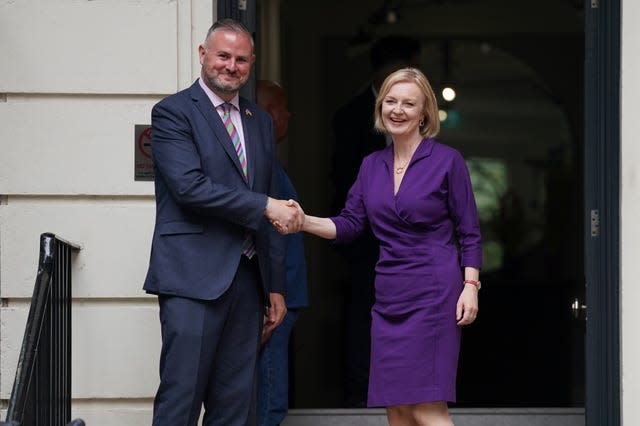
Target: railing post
[[41, 393]]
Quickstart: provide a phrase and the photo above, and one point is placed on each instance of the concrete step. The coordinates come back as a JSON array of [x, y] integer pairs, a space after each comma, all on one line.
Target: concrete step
[[461, 417]]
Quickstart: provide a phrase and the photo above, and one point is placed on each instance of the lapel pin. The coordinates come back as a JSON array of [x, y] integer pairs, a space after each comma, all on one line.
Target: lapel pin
[[248, 113]]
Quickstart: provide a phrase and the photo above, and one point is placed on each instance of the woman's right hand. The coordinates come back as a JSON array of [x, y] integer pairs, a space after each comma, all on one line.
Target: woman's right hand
[[284, 229]]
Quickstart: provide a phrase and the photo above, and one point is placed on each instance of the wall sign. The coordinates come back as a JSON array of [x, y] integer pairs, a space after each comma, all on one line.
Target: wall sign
[[143, 169]]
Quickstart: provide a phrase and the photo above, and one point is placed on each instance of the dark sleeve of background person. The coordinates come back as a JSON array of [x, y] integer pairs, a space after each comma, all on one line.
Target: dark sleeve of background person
[[355, 138]]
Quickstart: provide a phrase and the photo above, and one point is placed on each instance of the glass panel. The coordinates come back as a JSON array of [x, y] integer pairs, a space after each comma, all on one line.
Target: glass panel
[[525, 349]]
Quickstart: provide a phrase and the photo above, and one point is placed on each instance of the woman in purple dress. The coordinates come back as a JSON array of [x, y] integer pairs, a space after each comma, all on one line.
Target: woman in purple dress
[[416, 195]]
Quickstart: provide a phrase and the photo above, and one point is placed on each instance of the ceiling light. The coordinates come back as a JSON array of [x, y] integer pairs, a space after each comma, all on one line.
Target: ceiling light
[[448, 94]]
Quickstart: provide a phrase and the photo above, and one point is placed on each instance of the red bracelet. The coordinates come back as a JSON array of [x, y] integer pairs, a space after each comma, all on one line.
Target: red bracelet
[[475, 283]]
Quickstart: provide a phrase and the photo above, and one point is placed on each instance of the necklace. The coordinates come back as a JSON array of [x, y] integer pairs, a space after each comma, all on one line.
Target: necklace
[[396, 159], [400, 169]]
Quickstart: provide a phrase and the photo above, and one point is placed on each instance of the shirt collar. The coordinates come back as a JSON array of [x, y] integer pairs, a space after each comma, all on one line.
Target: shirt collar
[[217, 100]]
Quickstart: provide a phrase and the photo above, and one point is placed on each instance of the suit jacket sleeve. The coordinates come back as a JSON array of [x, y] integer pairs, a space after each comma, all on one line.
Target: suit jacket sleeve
[[177, 159]]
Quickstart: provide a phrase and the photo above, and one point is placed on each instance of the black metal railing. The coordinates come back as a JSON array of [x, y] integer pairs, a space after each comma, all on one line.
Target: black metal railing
[[41, 393]]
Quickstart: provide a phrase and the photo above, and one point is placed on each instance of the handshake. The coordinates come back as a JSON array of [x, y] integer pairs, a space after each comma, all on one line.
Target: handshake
[[286, 215]]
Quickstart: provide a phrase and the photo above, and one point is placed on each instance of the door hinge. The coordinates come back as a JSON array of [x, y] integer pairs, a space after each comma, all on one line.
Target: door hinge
[[595, 223]]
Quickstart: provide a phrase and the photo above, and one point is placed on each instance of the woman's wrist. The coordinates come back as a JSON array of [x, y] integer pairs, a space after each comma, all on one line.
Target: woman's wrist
[[475, 283]]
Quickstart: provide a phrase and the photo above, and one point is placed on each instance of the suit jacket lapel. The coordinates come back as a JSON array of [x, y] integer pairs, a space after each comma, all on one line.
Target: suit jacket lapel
[[251, 137], [212, 117]]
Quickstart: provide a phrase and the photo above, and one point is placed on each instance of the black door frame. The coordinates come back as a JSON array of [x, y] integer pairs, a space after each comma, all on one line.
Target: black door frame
[[602, 211]]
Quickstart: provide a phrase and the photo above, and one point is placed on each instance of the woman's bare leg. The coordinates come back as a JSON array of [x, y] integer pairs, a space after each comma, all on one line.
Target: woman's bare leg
[[400, 415], [431, 414], [424, 414]]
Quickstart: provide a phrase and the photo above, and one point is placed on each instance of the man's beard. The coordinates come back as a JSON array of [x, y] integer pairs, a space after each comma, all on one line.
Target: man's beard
[[216, 85]]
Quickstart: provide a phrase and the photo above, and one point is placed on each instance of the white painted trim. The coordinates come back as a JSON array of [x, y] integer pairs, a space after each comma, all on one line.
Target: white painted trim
[[185, 44]]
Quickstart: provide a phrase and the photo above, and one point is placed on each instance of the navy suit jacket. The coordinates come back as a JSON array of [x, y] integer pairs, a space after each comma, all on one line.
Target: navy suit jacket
[[203, 204]]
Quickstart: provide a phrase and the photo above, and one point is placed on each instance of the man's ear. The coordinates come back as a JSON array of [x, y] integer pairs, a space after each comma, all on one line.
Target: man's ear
[[201, 51]]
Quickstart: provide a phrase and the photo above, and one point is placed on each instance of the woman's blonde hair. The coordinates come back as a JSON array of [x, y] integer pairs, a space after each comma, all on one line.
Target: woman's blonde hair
[[431, 122]]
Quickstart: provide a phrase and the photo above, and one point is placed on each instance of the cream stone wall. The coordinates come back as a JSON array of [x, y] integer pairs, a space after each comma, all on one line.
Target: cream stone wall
[[75, 78], [630, 211]]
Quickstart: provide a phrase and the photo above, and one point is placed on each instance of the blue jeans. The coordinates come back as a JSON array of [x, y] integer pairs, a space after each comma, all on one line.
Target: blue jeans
[[273, 374]]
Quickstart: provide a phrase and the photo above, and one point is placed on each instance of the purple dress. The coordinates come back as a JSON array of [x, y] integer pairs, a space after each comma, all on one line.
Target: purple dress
[[414, 337]]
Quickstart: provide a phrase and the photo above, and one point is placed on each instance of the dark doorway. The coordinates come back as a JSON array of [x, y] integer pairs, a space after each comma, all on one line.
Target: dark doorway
[[518, 72]]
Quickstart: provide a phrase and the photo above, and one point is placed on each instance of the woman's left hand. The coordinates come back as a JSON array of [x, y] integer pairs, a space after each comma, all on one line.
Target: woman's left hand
[[467, 307]]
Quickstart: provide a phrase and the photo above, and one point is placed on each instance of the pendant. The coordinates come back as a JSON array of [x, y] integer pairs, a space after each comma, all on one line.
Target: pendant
[[399, 170]]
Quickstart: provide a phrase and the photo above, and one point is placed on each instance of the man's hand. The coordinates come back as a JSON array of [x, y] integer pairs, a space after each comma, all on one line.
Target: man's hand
[[286, 215], [274, 315], [266, 331]]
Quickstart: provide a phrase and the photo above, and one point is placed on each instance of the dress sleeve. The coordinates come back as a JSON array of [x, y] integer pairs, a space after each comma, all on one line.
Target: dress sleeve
[[463, 210], [353, 219]]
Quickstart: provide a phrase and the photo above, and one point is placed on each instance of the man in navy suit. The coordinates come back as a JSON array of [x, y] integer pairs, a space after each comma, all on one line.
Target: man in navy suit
[[216, 261]]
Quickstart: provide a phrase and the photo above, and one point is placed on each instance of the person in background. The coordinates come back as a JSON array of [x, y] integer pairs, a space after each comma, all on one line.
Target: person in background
[[216, 262], [417, 197], [273, 364], [355, 138]]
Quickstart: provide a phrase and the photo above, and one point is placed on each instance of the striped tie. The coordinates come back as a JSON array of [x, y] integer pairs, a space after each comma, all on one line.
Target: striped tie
[[235, 138], [248, 246]]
